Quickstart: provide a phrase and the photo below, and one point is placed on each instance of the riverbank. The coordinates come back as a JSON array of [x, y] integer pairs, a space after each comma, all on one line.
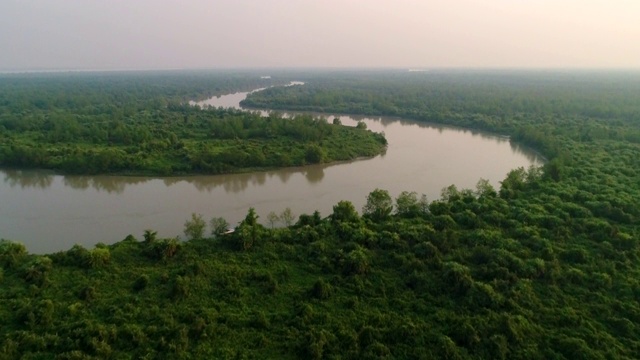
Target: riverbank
[[49, 212]]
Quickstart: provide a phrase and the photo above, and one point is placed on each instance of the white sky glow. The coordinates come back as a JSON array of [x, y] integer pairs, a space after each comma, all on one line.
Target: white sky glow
[[161, 34]]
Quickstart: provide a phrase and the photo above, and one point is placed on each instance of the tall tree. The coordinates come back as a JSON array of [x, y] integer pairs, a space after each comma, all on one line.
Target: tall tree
[[287, 216], [379, 205], [195, 227]]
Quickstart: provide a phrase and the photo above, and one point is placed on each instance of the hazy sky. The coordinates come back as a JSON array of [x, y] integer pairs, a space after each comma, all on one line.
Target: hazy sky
[[160, 34]]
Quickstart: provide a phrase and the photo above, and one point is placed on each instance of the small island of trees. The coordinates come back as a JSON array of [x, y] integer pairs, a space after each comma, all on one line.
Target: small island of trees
[[113, 127]]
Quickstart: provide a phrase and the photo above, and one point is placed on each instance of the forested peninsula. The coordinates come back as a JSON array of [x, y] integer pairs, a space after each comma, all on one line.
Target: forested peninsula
[[545, 267], [141, 124]]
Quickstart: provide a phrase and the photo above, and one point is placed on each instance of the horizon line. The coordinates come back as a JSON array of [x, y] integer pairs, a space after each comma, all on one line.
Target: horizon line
[[314, 68]]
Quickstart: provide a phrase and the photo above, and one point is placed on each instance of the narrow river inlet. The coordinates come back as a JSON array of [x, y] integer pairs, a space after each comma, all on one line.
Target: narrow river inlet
[[50, 213]]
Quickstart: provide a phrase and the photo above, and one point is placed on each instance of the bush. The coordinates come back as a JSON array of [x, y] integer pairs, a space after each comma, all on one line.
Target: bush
[[163, 249], [194, 228], [314, 154], [11, 253], [36, 271], [99, 257], [357, 262], [179, 288], [218, 226], [321, 290]]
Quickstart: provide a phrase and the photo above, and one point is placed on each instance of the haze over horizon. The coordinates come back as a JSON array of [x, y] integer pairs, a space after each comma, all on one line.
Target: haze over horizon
[[168, 34]]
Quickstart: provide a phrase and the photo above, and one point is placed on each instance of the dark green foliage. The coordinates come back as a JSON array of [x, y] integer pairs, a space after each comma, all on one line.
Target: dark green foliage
[[141, 283], [90, 124], [546, 267], [379, 205], [163, 249], [443, 297], [179, 288], [36, 270], [321, 289], [251, 219], [150, 236], [345, 212], [314, 154], [87, 294], [408, 204], [356, 262]]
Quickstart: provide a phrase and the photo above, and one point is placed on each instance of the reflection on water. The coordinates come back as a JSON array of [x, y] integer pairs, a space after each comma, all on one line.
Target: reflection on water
[[236, 183], [109, 184], [528, 153], [28, 178], [52, 212], [314, 174], [386, 121], [231, 183]]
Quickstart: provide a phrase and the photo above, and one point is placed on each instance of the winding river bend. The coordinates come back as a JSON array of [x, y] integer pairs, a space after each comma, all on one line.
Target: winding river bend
[[49, 212]]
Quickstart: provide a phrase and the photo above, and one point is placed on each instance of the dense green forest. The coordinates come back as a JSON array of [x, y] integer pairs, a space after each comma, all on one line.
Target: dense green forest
[[545, 267], [141, 124]]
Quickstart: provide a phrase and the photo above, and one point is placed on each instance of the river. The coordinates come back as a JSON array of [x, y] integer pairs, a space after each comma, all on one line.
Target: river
[[49, 212]]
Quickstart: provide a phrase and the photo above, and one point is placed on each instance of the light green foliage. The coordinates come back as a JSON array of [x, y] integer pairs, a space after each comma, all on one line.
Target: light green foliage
[[11, 253], [450, 194], [99, 257], [287, 216], [273, 218], [195, 228], [218, 226], [407, 204], [249, 232], [484, 188]]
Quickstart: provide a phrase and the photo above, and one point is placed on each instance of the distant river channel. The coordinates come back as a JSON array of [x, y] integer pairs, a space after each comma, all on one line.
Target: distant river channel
[[49, 212]]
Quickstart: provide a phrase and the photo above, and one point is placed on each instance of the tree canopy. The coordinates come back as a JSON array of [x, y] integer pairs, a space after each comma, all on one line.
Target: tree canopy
[[142, 124], [545, 267]]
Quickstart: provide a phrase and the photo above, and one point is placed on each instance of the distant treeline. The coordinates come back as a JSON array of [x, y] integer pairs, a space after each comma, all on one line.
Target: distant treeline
[[591, 105], [140, 124]]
